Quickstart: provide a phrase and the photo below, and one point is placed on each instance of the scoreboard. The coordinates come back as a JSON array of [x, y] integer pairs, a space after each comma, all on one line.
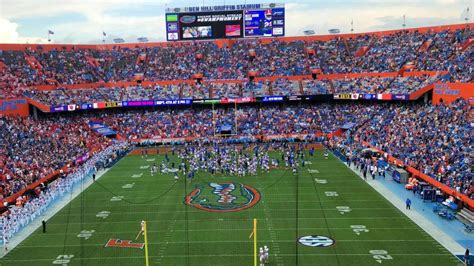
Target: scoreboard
[[264, 22], [220, 22]]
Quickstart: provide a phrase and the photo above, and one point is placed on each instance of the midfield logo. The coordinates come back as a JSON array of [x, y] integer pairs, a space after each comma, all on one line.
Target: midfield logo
[[316, 241], [222, 197]]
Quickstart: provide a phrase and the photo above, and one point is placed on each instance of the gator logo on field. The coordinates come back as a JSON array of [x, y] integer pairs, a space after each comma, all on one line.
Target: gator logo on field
[[223, 197]]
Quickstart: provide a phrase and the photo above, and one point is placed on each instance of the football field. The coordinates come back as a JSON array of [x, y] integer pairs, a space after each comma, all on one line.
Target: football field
[[324, 215]]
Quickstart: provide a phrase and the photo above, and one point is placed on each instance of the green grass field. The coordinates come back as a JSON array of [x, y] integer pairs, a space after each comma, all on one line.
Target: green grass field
[[331, 201]]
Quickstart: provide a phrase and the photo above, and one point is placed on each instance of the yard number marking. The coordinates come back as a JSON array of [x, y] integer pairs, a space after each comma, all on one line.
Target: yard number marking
[[331, 194], [137, 175], [63, 259], [144, 167], [116, 198], [86, 234], [380, 255], [343, 209], [128, 186], [103, 214], [359, 229], [321, 181]]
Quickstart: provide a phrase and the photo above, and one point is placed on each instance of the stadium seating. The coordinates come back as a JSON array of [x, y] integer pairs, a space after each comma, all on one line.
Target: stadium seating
[[31, 149], [389, 53]]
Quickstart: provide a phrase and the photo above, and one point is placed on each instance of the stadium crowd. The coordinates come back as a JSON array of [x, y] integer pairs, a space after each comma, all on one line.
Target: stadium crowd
[[31, 149], [17, 217], [434, 51], [437, 140], [246, 121], [280, 87]]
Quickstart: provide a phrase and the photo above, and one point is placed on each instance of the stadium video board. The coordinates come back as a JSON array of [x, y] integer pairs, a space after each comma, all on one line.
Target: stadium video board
[[220, 22]]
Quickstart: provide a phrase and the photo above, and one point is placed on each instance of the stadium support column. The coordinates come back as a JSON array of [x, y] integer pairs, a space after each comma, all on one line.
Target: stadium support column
[[35, 113]]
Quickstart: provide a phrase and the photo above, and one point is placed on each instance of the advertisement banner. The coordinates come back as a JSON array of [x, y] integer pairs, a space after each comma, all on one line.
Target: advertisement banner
[[238, 100], [403, 97], [449, 92], [14, 107], [271, 99], [102, 129]]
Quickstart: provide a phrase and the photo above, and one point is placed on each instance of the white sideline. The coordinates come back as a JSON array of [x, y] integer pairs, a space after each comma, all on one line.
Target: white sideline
[[441, 237], [49, 213]]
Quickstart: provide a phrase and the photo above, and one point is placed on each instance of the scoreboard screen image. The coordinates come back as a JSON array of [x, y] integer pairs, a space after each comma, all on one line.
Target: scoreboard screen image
[[204, 25], [259, 22], [267, 23]]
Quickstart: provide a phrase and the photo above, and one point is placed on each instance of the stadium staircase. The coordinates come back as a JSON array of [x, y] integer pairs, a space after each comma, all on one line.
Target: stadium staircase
[[361, 51], [466, 216], [346, 44], [331, 85], [297, 84], [467, 43], [33, 62], [425, 45], [92, 61]]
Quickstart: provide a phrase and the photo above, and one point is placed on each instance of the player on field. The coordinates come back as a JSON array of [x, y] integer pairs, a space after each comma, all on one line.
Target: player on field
[[265, 254], [261, 256]]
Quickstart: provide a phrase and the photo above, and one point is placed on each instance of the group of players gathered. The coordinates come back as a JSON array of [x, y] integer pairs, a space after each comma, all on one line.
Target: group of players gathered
[[230, 160]]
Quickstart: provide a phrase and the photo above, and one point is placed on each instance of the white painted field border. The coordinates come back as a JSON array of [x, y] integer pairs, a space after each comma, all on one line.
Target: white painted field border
[[232, 255]]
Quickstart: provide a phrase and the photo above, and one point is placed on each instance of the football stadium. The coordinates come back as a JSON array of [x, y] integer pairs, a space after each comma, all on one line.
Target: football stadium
[[234, 139]]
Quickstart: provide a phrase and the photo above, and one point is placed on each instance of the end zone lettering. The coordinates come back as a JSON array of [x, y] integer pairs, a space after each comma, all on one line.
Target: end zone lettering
[[123, 244]]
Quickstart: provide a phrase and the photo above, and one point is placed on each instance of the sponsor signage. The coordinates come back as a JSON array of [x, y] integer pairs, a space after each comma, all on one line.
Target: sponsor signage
[[273, 98], [238, 100]]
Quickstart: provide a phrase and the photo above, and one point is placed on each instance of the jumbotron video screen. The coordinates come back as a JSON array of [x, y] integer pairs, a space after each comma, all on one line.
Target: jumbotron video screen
[[221, 22]]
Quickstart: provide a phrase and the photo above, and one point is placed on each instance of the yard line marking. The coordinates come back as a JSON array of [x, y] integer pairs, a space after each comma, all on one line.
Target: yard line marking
[[225, 241], [167, 240], [275, 246]]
